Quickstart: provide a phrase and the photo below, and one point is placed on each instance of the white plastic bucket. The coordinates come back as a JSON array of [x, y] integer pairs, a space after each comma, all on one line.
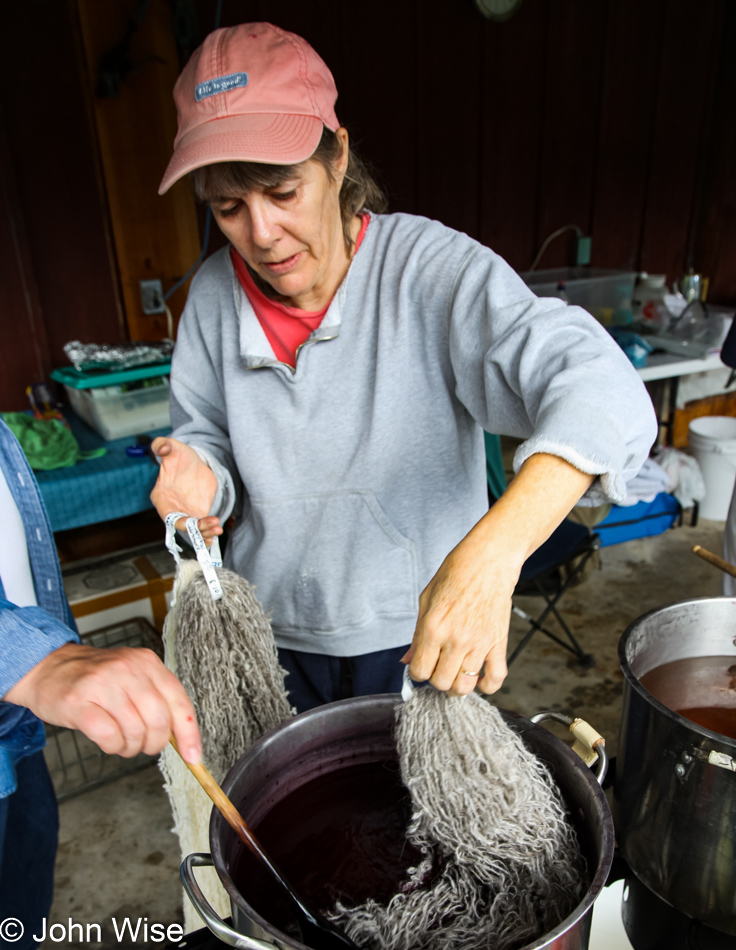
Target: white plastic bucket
[[712, 442]]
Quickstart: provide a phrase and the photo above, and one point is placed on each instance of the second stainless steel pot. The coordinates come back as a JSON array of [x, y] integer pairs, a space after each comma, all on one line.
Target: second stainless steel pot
[[675, 789]]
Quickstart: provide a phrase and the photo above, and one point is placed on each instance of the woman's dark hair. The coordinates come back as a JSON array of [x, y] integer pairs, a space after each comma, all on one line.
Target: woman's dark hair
[[359, 191]]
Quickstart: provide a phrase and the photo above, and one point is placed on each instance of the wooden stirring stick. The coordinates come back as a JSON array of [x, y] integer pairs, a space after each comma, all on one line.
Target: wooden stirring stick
[[715, 560], [222, 803], [321, 934]]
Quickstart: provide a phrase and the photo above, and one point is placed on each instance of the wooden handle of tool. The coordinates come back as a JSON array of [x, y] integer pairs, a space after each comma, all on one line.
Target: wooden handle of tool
[[220, 800], [233, 817], [715, 560]]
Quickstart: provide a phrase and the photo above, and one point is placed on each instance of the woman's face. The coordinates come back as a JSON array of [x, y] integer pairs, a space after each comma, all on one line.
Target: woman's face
[[291, 235]]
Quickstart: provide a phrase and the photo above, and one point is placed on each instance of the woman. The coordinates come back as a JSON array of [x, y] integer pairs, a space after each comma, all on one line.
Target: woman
[[334, 371]]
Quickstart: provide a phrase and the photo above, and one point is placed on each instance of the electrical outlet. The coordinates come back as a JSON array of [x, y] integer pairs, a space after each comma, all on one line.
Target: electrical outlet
[[152, 296]]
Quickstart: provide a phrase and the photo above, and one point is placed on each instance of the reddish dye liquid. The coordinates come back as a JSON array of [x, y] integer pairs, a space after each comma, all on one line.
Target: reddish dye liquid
[[702, 689], [716, 718], [340, 837]]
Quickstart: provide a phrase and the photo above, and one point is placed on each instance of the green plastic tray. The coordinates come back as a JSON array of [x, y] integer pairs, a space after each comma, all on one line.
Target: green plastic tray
[[79, 379]]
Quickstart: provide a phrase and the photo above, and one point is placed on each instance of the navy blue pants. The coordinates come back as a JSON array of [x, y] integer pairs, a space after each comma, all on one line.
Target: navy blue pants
[[29, 833], [314, 680]]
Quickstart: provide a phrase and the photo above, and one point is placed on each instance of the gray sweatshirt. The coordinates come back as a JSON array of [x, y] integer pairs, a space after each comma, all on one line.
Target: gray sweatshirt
[[353, 476]]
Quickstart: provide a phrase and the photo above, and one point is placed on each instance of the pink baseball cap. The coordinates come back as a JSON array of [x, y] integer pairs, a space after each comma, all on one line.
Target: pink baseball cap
[[250, 93]]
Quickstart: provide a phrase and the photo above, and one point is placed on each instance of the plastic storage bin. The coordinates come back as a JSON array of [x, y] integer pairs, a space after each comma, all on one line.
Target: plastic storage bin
[[118, 405], [606, 294]]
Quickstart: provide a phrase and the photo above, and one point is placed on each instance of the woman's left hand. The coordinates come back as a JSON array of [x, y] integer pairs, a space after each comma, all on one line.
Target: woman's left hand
[[464, 611], [463, 623]]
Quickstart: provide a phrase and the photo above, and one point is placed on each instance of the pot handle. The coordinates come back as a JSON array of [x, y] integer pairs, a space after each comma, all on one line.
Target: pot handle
[[589, 744], [218, 927]]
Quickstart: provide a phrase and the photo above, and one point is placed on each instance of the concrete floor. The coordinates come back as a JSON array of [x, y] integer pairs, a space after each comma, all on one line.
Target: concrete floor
[[118, 857]]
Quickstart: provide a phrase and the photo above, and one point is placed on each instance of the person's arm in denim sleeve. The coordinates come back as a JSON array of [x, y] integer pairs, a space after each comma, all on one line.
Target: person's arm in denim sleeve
[[27, 636], [123, 699]]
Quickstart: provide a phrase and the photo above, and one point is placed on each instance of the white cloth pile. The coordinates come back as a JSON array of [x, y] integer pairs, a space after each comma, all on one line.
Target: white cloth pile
[[650, 481], [684, 478]]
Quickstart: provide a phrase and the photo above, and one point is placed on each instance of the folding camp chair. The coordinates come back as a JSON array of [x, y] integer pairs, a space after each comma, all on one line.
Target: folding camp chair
[[542, 574]]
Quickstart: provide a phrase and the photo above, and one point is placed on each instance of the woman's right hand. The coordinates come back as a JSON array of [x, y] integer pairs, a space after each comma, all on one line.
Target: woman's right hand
[[185, 483]]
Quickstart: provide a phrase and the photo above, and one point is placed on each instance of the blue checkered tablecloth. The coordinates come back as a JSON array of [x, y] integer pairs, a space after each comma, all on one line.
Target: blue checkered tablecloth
[[102, 489]]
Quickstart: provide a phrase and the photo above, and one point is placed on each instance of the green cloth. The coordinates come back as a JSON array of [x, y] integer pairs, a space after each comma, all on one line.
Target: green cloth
[[47, 443], [494, 466]]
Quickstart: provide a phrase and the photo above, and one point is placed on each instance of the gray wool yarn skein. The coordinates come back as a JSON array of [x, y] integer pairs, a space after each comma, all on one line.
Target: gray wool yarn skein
[[487, 812], [227, 661], [485, 809]]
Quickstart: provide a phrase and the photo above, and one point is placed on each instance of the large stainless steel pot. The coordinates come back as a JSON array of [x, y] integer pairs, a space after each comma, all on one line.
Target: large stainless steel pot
[[355, 731], [675, 787]]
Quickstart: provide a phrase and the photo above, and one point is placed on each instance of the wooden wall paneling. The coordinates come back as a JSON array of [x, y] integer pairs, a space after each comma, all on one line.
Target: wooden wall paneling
[[514, 65], [154, 237], [679, 127], [448, 77], [703, 159], [378, 93], [51, 149], [720, 262], [567, 112], [713, 243], [634, 40], [317, 21], [575, 56], [231, 12], [24, 350]]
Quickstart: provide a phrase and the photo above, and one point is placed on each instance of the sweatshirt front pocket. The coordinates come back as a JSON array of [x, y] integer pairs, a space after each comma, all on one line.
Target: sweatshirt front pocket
[[324, 562]]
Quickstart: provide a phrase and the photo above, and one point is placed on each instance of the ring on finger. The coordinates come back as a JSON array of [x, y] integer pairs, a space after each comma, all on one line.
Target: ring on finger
[[470, 672]]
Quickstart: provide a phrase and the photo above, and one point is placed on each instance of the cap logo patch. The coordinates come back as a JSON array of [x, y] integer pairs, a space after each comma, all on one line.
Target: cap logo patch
[[212, 87]]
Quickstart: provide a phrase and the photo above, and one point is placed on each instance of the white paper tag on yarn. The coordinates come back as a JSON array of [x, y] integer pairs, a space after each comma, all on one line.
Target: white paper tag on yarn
[[209, 559], [171, 542], [203, 556], [215, 555]]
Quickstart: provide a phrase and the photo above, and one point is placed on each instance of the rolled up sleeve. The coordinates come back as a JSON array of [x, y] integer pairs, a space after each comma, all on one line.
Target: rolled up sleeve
[[550, 374], [27, 636]]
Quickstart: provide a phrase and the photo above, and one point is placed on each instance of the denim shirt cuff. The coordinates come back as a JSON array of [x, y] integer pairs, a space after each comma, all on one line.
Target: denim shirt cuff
[[27, 636], [24, 739]]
